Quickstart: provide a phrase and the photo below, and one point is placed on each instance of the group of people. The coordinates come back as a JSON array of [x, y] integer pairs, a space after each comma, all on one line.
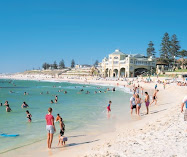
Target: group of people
[[50, 127], [136, 101]]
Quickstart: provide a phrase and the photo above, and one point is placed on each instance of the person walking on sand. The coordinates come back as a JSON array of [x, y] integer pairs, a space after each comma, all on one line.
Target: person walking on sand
[[155, 86], [184, 103], [138, 104], [155, 97], [50, 127], [133, 103], [147, 102]]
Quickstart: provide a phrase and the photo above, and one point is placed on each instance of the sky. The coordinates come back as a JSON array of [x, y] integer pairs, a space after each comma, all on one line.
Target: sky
[[36, 31]]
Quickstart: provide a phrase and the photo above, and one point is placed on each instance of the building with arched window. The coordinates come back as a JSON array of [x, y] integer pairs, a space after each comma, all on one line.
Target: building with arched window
[[119, 64]]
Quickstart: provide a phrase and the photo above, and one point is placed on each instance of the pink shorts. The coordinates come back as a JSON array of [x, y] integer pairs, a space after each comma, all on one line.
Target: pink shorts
[[147, 103]]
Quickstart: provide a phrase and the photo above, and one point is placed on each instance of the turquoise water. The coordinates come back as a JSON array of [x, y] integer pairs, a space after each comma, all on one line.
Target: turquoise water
[[80, 111]]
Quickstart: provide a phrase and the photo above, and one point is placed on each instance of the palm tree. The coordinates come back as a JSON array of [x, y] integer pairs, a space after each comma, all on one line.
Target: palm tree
[[182, 54]]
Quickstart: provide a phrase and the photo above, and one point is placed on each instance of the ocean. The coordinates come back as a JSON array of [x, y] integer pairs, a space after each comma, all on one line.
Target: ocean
[[81, 112]]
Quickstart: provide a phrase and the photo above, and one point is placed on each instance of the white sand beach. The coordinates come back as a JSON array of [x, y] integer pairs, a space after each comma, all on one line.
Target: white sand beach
[[161, 133]]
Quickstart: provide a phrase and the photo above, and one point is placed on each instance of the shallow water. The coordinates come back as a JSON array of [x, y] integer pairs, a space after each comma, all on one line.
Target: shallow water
[[80, 111]]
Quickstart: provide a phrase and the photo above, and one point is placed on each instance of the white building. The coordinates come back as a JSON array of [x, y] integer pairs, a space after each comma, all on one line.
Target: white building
[[119, 64]]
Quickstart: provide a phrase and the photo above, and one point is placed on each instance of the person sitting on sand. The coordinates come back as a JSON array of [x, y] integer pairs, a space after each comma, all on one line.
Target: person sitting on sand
[[8, 109], [184, 103], [147, 102], [155, 97], [133, 103], [58, 117], [24, 105], [138, 104], [29, 116], [108, 107]]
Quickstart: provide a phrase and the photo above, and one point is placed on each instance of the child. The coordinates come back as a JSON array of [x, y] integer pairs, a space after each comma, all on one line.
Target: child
[[62, 138], [29, 116], [108, 107]]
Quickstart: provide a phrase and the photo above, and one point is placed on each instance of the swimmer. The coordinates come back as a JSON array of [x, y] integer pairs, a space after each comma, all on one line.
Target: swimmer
[[29, 116], [52, 102], [41, 93], [65, 92], [25, 93], [24, 105], [95, 92], [6, 103], [1, 104], [8, 109], [56, 99]]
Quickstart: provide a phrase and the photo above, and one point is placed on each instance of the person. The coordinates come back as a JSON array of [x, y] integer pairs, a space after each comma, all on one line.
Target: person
[[1, 104], [65, 92], [114, 89], [138, 104], [52, 102], [25, 93], [184, 103], [6, 103], [8, 109], [155, 86], [29, 116], [56, 99], [50, 127], [24, 105], [108, 107], [133, 103], [155, 97], [147, 102], [142, 90], [58, 117]]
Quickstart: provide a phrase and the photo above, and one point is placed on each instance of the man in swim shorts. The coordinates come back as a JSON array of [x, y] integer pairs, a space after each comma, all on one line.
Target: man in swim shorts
[[133, 103]]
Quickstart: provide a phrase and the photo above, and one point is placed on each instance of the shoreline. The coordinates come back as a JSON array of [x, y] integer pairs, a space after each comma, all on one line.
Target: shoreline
[[102, 147]]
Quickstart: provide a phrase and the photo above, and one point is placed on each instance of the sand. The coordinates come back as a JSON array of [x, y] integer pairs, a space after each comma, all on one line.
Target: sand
[[161, 133]]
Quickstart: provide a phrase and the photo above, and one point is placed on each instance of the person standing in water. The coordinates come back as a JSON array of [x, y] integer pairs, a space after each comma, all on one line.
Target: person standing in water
[[8, 109], [147, 102], [56, 99], [108, 107], [50, 127], [29, 116]]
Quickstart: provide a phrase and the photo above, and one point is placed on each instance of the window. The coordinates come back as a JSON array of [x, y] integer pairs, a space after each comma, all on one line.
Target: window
[[115, 57], [131, 61], [115, 62]]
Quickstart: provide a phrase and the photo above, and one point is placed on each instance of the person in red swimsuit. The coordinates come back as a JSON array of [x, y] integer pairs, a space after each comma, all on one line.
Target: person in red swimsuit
[[108, 107]]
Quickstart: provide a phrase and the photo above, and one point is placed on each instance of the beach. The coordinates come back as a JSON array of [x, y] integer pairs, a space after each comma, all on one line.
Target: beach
[[161, 133]]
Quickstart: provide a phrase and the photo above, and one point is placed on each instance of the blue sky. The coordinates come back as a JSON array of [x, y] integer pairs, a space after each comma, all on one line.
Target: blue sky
[[37, 31]]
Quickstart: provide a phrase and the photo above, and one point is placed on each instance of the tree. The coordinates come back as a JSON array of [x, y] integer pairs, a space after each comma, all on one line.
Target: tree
[[61, 64], [45, 66], [165, 46], [96, 63], [55, 65], [174, 47], [72, 63], [182, 54], [150, 49]]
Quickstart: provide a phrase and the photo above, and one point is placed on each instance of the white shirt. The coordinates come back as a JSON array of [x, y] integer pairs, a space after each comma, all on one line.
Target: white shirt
[[132, 99]]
